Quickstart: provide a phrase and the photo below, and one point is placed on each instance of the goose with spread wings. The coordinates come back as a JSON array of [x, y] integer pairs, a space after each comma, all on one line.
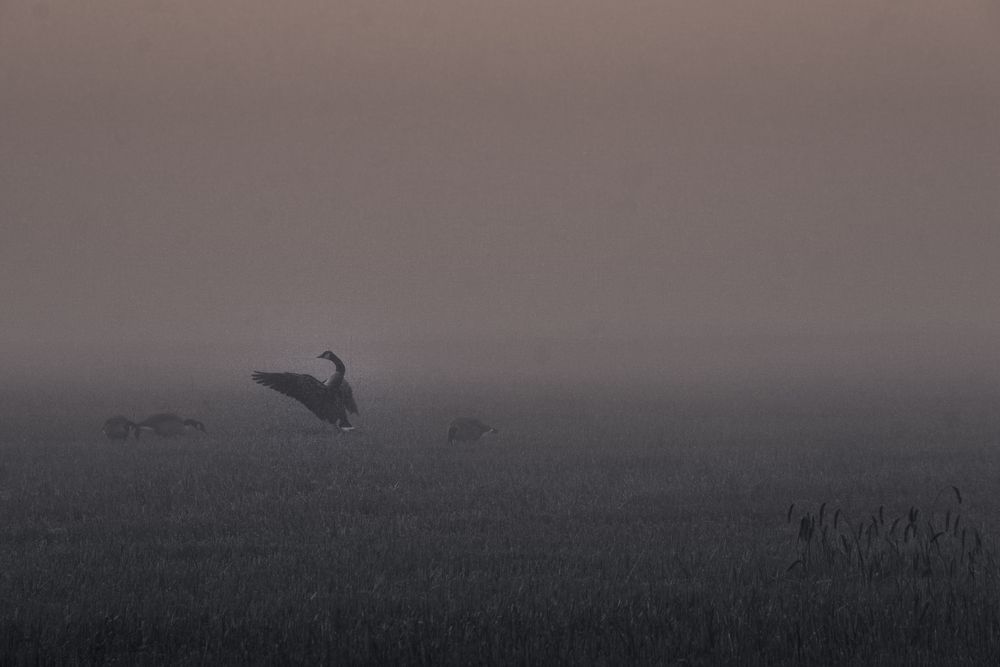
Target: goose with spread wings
[[330, 400]]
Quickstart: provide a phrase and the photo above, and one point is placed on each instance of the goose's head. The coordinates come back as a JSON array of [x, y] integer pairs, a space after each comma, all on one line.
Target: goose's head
[[330, 356]]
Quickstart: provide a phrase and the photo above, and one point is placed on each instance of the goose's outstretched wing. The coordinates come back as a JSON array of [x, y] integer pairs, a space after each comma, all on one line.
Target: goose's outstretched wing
[[306, 390], [347, 394]]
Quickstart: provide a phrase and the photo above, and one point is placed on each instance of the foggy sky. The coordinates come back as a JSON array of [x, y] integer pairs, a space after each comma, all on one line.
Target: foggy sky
[[280, 178]]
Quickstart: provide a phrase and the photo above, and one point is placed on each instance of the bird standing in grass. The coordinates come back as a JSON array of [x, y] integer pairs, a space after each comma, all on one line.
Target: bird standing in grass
[[468, 429], [167, 425], [330, 400], [119, 428]]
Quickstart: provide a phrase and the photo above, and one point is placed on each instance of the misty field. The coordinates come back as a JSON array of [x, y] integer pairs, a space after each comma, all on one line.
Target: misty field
[[600, 527]]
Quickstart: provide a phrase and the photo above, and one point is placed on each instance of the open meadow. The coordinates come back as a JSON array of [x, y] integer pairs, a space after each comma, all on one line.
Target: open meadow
[[601, 526]]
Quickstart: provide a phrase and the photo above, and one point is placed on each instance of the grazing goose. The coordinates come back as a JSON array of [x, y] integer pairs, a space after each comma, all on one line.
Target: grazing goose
[[468, 429], [118, 428], [330, 400], [167, 425]]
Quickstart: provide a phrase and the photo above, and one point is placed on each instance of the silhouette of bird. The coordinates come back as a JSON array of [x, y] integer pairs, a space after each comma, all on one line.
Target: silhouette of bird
[[167, 425], [330, 400], [468, 429], [118, 428]]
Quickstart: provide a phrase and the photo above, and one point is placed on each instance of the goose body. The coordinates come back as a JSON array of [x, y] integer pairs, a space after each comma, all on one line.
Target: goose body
[[468, 429], [118, 428], [330, 400], [167, 425]]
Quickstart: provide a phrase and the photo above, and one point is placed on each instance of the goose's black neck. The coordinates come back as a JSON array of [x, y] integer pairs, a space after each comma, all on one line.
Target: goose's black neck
[[341, 368]]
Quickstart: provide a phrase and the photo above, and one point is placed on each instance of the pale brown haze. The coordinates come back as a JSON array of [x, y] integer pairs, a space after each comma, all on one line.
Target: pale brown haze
[[515, 191], [720, 279]]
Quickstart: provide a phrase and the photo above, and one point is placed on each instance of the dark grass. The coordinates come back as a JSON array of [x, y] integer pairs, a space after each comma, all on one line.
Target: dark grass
[[595, 530]]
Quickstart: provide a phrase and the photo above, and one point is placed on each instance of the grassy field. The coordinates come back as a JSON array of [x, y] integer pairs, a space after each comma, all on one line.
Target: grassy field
[[600, 528]]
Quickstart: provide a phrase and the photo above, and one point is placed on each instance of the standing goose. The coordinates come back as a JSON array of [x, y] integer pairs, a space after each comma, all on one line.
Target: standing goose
[[118, 428], [330, 400], [468, 429], [167, 425]]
